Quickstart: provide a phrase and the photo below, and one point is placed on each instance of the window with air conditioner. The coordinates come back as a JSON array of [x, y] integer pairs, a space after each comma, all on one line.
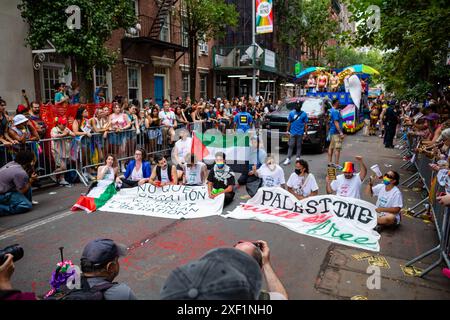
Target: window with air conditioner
[[203, 48]]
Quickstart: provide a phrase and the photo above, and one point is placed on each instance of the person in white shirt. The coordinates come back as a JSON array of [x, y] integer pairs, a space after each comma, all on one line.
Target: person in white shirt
[[348, 184], [390, 199], [301, 183], [194, 172], [168, 120], [179, 152], [271, 174]]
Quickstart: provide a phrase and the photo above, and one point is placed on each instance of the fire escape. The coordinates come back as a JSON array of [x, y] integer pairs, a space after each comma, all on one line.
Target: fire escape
[[148, 34]]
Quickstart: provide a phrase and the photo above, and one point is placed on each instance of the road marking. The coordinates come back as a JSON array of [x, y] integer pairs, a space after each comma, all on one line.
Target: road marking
[[14, 232]]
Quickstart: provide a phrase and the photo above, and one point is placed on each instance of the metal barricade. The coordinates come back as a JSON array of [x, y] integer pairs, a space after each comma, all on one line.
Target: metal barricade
[[54, 157]]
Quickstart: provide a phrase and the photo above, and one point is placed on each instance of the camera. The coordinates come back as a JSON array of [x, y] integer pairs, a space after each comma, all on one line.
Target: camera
[[15, 250]]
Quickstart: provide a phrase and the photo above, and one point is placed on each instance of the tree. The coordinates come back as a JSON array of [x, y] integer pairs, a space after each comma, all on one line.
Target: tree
[[307, 23], [204, 20], [415, 37], [47, 20]]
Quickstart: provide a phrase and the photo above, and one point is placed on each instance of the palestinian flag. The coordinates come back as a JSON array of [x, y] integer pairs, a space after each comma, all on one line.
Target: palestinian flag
[[236, 146], [96, 198]]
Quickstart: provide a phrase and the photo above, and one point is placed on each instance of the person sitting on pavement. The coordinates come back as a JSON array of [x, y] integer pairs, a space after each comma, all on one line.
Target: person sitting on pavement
[[100, 266], [301, 183], [138, 171], [16, 178], [390, 200], [163, 174], [221, 180], [257, 157], [7, 292], [181, 149], [348, 184], [194, 172], [271, 174], [297, 128]]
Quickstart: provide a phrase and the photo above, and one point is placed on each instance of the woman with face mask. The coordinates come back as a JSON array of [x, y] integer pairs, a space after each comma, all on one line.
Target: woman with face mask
[[301, 183], [390, 200], [271, 174]]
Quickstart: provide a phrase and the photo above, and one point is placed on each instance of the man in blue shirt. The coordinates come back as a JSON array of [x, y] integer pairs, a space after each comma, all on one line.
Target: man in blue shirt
[[336, 133], [297, 127], [243, 120], [60, 95]]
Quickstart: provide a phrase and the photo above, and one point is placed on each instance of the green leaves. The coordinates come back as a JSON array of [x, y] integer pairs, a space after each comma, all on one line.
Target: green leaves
[[419, 33], [48, 21]]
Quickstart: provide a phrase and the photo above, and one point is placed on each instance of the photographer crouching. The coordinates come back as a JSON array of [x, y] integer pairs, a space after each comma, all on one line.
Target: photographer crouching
[[16, 178], [7, 258]]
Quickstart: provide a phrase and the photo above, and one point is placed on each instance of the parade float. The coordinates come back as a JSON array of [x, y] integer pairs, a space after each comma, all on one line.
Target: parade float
[[352, 91]]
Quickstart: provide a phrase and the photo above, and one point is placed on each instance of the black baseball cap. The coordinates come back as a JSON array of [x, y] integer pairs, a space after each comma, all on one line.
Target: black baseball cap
[[100, 251], [221, 274]]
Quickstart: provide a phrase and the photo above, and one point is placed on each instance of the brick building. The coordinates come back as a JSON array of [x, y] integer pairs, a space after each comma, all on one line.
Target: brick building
[[152, 61]]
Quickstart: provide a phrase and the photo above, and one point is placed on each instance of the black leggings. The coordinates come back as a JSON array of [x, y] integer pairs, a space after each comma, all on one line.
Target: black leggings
[[129, 183], [229, 196]]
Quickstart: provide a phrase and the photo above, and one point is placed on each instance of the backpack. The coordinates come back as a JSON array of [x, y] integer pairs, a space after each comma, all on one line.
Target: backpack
[[86, 292]]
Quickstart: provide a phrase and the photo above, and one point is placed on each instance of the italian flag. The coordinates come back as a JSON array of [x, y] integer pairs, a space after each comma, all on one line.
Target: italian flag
[[236, 146], [96, 198]]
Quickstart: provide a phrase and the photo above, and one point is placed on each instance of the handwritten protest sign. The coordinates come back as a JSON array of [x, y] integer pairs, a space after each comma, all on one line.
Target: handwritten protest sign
[[342, 220], [174, 202]]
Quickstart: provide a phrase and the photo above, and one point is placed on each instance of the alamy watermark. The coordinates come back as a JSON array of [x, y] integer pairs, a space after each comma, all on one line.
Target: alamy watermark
[[374, 280], [74, 20]]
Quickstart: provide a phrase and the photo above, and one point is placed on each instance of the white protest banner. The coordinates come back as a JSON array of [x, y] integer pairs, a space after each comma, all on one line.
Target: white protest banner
[[346, 221], [172, 201]]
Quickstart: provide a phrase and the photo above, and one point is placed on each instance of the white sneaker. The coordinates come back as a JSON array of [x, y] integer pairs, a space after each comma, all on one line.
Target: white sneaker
[[63, 182], [297, 159], [286, 162], [34, 202]]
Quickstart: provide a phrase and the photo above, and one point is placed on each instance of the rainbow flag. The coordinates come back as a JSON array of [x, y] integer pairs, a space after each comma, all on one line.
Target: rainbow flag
[[264, 16], [348, 115]]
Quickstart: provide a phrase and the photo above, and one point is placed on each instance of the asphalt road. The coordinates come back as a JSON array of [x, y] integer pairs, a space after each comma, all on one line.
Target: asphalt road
[[310, 268]]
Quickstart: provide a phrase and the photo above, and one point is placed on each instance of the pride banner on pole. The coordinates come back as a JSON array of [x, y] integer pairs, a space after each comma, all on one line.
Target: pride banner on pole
[[264, 16]]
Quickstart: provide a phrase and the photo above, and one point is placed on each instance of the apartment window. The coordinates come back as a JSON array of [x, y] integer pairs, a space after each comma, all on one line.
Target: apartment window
[[203, 83], [165, 30], [50, 77], [135, 6], [221, 86], [134, 91], [101, 81], [184, 35], [186, 87]]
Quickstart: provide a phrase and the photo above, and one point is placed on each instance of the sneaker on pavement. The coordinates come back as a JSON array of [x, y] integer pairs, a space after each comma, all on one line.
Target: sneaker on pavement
[[286, 162], [34, 202], [63, 182], [296, 159]]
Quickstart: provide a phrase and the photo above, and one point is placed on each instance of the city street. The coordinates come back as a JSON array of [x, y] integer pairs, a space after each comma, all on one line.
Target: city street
[[309, 268]]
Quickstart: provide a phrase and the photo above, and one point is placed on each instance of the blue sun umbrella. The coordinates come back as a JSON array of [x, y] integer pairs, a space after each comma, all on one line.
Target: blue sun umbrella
[[308, 71]]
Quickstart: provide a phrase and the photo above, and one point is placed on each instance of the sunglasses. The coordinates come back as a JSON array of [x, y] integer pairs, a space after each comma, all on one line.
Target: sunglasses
[[389, 177]]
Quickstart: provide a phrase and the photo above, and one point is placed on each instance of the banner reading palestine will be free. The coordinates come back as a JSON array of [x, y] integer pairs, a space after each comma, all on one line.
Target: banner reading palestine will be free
[[264, 16]]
